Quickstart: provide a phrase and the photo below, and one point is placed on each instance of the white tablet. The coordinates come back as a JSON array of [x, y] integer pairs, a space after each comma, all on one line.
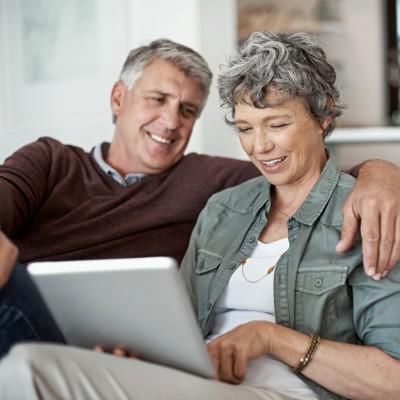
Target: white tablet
[[140, 304]]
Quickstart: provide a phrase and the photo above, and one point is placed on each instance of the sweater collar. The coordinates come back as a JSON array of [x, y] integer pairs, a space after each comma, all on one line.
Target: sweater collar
[[99, 153]]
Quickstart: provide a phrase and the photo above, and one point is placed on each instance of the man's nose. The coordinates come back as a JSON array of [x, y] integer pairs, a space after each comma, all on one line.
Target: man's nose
[[170, 117]]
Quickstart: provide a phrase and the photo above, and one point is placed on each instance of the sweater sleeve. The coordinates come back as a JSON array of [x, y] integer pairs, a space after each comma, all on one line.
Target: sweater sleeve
[[237, 172], [23, 185]]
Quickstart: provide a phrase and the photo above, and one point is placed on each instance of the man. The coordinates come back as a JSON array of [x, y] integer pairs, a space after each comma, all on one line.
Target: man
[[140, 196], [129, 197]]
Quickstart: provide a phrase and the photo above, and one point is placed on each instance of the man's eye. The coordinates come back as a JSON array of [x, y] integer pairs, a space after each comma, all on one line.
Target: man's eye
[[188, 112], [157, 99]]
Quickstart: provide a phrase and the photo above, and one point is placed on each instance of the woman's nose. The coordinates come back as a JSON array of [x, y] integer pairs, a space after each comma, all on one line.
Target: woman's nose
[[262, 142]]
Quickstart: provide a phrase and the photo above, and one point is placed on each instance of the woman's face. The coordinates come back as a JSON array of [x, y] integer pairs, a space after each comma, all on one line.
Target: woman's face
[[284, 142]]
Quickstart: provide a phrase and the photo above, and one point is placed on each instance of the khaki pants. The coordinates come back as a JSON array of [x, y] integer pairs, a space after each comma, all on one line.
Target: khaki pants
[[47, 372]]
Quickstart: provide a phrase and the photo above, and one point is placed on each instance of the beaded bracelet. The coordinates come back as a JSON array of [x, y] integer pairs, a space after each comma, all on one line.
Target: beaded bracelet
[[315, 339]]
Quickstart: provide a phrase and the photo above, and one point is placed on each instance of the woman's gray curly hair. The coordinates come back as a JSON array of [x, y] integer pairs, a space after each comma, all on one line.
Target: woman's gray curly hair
[[290, 64]]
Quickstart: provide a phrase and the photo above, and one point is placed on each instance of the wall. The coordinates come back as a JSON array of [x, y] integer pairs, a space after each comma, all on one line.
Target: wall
[[208, 27], [55, 77], [174, 19], [352, 146], [364, 89], [75, 109]]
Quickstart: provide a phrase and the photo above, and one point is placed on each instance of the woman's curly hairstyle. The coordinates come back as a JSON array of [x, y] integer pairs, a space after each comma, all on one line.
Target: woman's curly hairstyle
[[290, 64]]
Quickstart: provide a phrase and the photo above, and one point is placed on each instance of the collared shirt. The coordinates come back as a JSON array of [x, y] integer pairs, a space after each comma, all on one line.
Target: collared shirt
[[316, 289], [127, 180]]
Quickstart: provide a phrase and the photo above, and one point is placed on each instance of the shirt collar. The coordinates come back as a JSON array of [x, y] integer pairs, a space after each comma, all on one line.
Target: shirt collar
[[127, 180], [320, 194], [316, 200]]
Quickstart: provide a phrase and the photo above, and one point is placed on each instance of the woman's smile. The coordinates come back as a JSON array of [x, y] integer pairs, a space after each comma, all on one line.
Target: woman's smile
[[273, 165]]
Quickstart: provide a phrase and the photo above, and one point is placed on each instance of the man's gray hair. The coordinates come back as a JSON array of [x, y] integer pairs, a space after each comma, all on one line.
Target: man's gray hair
[[288, 64], [191, 63]]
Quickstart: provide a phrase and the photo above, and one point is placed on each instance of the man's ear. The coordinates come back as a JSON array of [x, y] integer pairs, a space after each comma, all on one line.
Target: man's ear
[[118, 94]]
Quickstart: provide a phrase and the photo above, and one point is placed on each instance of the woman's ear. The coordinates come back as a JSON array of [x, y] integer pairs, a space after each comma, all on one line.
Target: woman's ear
[[325, 122], [117, 97]]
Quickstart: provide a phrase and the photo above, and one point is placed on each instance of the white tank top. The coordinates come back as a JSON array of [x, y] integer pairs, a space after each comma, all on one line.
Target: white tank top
[[249, 296]]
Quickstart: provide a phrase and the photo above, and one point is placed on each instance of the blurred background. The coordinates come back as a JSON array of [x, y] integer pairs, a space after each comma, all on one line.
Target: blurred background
[[60, 58]]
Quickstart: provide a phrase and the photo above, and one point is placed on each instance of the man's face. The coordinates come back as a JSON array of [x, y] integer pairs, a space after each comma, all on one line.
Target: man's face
[[154, 120]]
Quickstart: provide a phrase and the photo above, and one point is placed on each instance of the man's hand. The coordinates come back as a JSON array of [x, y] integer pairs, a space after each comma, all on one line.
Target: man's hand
[[8, 256], [375, 200]]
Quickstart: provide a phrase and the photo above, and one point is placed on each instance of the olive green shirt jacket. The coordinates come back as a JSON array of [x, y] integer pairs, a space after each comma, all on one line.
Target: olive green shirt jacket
[[316, 289]]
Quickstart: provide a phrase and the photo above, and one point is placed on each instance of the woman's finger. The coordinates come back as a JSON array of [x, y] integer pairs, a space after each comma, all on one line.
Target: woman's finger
[[99, 349], [213, 352], [239, 366], [120, 352], [226, 365]]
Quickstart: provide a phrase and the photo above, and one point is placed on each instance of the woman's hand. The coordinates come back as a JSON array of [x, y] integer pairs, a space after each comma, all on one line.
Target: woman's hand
[[230, 352], [118, 351], [8, 257], [375, 200]]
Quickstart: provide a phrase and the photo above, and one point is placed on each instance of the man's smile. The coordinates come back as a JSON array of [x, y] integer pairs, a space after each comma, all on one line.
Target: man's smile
[[159, 139]]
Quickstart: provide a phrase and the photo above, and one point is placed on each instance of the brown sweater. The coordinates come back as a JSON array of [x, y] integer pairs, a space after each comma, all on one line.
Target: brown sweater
[[57, 204]]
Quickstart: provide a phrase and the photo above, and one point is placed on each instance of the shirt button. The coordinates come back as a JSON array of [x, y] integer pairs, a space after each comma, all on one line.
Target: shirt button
[[318, 282], [252, 239], [209, 305], [232, 266]]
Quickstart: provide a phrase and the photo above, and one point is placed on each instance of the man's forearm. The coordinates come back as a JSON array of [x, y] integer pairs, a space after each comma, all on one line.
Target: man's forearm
[[354, 171]]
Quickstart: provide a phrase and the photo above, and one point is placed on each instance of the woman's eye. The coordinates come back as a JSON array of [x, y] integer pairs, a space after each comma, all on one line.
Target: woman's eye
[[277, 126], [243, 130]]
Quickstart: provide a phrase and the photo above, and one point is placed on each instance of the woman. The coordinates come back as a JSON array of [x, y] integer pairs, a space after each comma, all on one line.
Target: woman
[[261, 266], [285, 314]]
